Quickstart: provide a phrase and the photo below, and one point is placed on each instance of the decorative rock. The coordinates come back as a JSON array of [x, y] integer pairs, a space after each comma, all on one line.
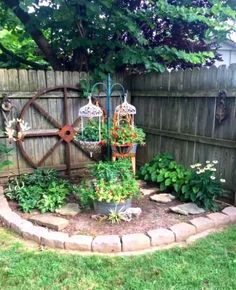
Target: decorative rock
[[162, 197], [70, 209], [131, 212], [161, 237], [187, 208], [202, 224], [50, 221], [79, 242], [149, 191], [135, 242], [106, 244], [3, 202], [231, 212], [199, 236], [9, 217], [35, 233], [219, 219], [21, 225], [54, 239], [182, 231]]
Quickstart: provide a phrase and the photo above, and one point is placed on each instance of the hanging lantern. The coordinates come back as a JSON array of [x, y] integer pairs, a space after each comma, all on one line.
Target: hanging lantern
[[124, 113], [90, 137]]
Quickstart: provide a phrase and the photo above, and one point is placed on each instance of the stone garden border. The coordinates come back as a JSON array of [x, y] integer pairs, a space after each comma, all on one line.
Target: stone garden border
[[128, 243]]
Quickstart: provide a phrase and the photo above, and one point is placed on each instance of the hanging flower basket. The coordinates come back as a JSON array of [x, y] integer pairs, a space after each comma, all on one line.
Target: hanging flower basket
[[93, 148], [122, 149]]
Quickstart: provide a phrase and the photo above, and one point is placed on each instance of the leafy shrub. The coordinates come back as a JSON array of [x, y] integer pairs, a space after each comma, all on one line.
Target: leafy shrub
[[42, 190], [203, 185], [111, 182], [4, 152], [164, 170], [199, 184]]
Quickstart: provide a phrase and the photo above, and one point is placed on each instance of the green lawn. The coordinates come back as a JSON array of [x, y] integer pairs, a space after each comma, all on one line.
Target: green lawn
[[208, 264]]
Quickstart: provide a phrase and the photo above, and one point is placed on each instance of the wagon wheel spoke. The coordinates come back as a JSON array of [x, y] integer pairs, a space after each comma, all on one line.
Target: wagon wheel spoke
[[46, 115], [41, 133], [66, 117], [68, 155], [76, 121], [49, 152]]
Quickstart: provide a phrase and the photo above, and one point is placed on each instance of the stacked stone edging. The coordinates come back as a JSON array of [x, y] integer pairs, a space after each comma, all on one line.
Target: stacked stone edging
[[180, 232]]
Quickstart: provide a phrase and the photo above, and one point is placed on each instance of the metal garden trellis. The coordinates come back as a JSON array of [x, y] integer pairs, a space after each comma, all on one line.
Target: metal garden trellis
[[108, 88]]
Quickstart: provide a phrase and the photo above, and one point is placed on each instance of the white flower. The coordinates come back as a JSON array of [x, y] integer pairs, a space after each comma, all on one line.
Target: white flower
[[198, 172], [212, 169], [192, 166], [197, 165], [10, 133], [207, 162], [213, 177], [222, 180], [215, 161]]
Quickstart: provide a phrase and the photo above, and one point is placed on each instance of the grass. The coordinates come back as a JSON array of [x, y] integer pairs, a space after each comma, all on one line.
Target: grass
[[207, 264]]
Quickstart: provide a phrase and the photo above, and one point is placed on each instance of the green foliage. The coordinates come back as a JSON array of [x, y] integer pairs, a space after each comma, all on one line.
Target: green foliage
[[42, 190], [111, 182], [115, 216], [125, 134], [192, 267], [164, 170], [4, 152], [107, 36], [203, 186], [199, 184], [91, 132]]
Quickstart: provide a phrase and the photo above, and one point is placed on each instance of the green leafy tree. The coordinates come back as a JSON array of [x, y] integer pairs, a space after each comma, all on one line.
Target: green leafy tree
[[108, 35]]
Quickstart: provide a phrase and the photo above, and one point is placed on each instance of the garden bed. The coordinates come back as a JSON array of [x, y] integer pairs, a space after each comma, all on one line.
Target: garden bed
[[154, 215]]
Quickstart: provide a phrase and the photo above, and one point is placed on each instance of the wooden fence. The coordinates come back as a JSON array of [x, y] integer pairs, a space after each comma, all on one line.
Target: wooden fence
[[178, 112], [20, 86]]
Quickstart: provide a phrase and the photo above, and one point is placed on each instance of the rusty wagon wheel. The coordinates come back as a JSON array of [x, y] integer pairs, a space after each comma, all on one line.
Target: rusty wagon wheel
[[64, 131]]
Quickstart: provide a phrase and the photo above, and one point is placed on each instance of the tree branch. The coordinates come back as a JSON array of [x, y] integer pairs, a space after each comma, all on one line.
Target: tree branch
[[35, 33], [21, 59]]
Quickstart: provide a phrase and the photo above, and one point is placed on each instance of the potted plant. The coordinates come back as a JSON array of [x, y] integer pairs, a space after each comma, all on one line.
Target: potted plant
[[112, 187], [125, 138]]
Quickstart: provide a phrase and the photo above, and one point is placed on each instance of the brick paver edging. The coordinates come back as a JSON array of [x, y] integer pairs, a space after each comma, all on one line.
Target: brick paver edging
[[113, 243]]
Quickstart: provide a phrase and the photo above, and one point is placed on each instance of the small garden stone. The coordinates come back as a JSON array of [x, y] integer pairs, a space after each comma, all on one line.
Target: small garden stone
[[187, 208], [70, 209], [149, 191], [50, 221], [162, 197]]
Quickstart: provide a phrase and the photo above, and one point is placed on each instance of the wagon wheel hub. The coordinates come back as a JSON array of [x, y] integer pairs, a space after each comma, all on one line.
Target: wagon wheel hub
[[67, 133]]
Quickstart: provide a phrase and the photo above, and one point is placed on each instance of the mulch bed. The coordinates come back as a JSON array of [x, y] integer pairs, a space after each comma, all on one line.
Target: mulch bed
[[154, 215]]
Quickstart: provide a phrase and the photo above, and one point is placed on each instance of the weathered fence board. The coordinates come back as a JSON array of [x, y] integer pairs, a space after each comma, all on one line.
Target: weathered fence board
[[177, 110]]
